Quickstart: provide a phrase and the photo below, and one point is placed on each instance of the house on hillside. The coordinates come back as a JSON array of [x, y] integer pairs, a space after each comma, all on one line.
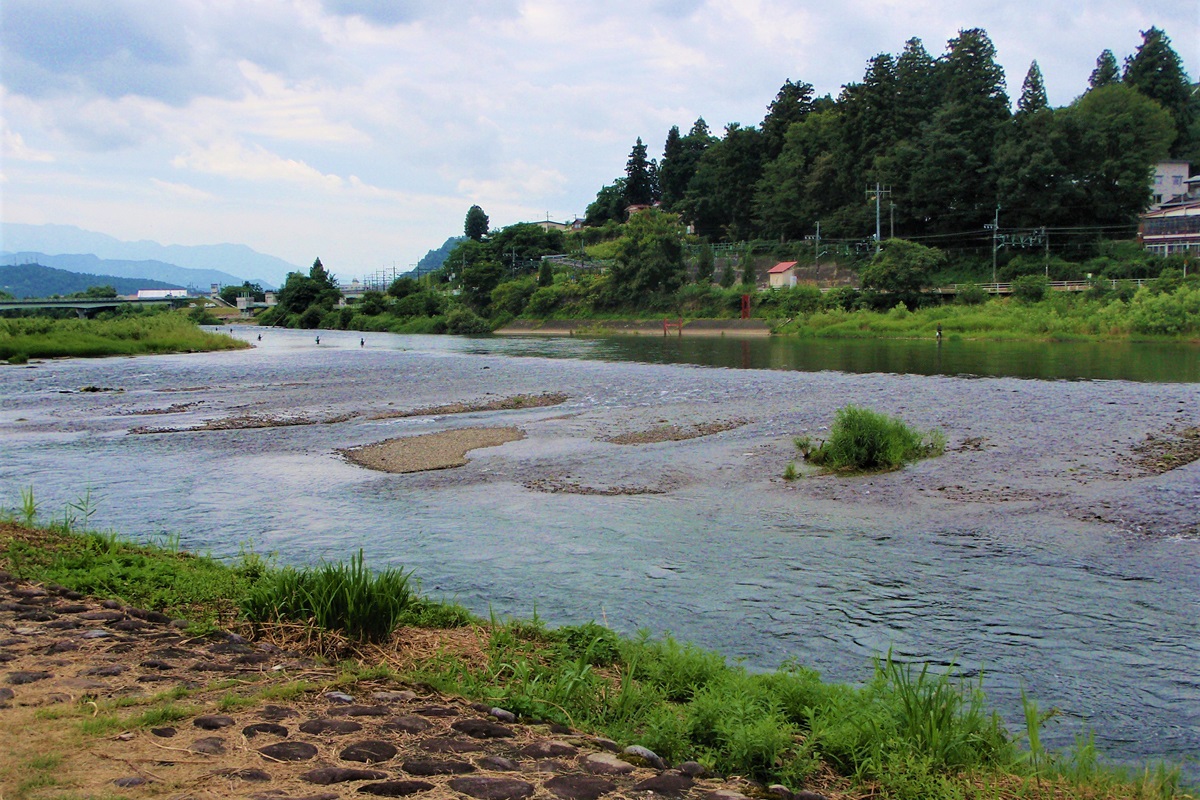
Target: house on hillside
[[1172, 229], [782, 274], [1170, 183]]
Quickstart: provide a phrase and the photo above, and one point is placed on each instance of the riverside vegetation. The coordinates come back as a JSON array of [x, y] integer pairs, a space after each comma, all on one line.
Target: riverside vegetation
[[905, 733], [122, 335], [863, 440], [648, 269]]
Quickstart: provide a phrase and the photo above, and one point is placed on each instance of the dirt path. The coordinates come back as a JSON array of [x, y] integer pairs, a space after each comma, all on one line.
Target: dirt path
[[100, 699]]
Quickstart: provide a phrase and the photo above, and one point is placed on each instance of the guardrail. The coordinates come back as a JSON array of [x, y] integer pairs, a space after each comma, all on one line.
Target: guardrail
[[1057, 286]]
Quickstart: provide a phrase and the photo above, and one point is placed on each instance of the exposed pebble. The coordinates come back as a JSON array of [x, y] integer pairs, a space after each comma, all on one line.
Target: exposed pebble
[[212, 722], [482, 729], [606, 764], [319, 726], [406, 724], [21, 678], [484, 788], [668, 784], [579, 787], [289, 751], [502, 714], [395, 788], [431, 766], [645, 754], [270, 728], [325, 776], [548, 748], [210, 745], [371, 751]]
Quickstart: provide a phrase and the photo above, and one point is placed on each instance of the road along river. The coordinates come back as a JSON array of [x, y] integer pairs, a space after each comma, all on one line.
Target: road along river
[[1044, 549]]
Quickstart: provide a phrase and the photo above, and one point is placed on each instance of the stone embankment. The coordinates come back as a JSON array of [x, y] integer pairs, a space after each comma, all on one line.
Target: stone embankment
[[100, 698]]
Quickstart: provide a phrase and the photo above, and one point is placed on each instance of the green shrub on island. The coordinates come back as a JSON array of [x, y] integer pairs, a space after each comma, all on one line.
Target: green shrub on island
[[865, 440], [43, 337]]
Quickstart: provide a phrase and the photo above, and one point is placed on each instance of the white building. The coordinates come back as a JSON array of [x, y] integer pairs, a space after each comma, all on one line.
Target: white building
[[1170, 182], [160, 294]]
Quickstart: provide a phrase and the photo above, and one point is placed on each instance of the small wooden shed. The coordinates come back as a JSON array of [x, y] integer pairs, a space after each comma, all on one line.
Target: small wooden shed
[[782, 274]]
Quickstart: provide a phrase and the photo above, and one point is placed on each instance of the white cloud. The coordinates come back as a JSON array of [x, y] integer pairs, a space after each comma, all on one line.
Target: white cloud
[[253, 164], [12, 146], [182, 190], [518, 180]]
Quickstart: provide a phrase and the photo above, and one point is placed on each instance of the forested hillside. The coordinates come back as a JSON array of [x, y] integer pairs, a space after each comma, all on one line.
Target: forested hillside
[[943, 142], [34, 280]]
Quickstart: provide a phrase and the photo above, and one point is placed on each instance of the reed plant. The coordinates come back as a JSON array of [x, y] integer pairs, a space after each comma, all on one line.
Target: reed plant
[[335, 596]]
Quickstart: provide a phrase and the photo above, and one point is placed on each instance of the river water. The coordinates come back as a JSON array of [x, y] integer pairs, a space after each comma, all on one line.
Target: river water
[[1034, 552]]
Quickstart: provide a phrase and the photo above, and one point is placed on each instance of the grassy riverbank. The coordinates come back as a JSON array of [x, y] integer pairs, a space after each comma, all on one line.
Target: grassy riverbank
[[1060, 316], [40, 337], [907, 733]]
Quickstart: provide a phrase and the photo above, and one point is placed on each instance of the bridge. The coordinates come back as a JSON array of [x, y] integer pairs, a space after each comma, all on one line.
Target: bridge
[[83, 305]]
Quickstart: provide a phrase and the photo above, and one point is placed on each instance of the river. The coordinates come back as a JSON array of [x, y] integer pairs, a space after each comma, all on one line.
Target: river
[[1035, 551]]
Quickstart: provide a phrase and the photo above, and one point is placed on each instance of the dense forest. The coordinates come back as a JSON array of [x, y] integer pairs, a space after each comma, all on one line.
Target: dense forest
[[941, 140]]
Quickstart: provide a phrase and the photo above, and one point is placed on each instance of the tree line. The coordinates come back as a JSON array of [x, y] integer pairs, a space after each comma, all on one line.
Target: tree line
[[940, 138]]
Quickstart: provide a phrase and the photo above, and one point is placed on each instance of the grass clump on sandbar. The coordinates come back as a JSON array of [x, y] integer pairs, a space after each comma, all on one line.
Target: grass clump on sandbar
[[863, 440], [908, 731]]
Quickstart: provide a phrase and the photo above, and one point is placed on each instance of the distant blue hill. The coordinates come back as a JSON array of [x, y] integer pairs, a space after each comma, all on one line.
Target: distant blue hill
[[234, 262], [176, 276], [34, 280]]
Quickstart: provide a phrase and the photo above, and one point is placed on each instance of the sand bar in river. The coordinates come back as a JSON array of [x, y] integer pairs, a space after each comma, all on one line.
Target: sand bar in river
[[428, 451]]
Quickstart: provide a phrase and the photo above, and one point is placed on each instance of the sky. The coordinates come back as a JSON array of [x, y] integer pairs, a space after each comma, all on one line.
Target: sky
[[361, 131]]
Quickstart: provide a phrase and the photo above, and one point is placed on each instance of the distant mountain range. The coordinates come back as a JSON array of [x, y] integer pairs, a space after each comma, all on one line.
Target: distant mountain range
[[158, 271], [33, 280], [198, 265]]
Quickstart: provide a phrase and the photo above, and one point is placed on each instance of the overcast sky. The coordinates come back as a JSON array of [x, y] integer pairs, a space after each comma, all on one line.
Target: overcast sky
[[361, 131]]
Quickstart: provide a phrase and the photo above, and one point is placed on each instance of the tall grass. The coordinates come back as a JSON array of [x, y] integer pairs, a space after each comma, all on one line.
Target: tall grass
[[861, 439], [41, 337], [341, 597]]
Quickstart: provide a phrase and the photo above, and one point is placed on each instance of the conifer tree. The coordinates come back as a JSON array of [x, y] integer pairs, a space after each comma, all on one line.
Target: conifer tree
[[639, 182], [1105, 72], [790, 105], [1033, 92], [1156, 71]]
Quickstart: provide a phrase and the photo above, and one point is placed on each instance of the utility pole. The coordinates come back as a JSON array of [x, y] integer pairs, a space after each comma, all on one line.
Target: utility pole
[[878, 191], [995, 228], [817, 251], [891, 220], [1046, 242]]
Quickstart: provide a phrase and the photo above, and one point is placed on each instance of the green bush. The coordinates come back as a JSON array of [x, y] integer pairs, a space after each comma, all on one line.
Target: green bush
[[1030, 288], [543, 301], [337, 597], [311, 318], [465, 322], [862, 439], [971, 294]]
